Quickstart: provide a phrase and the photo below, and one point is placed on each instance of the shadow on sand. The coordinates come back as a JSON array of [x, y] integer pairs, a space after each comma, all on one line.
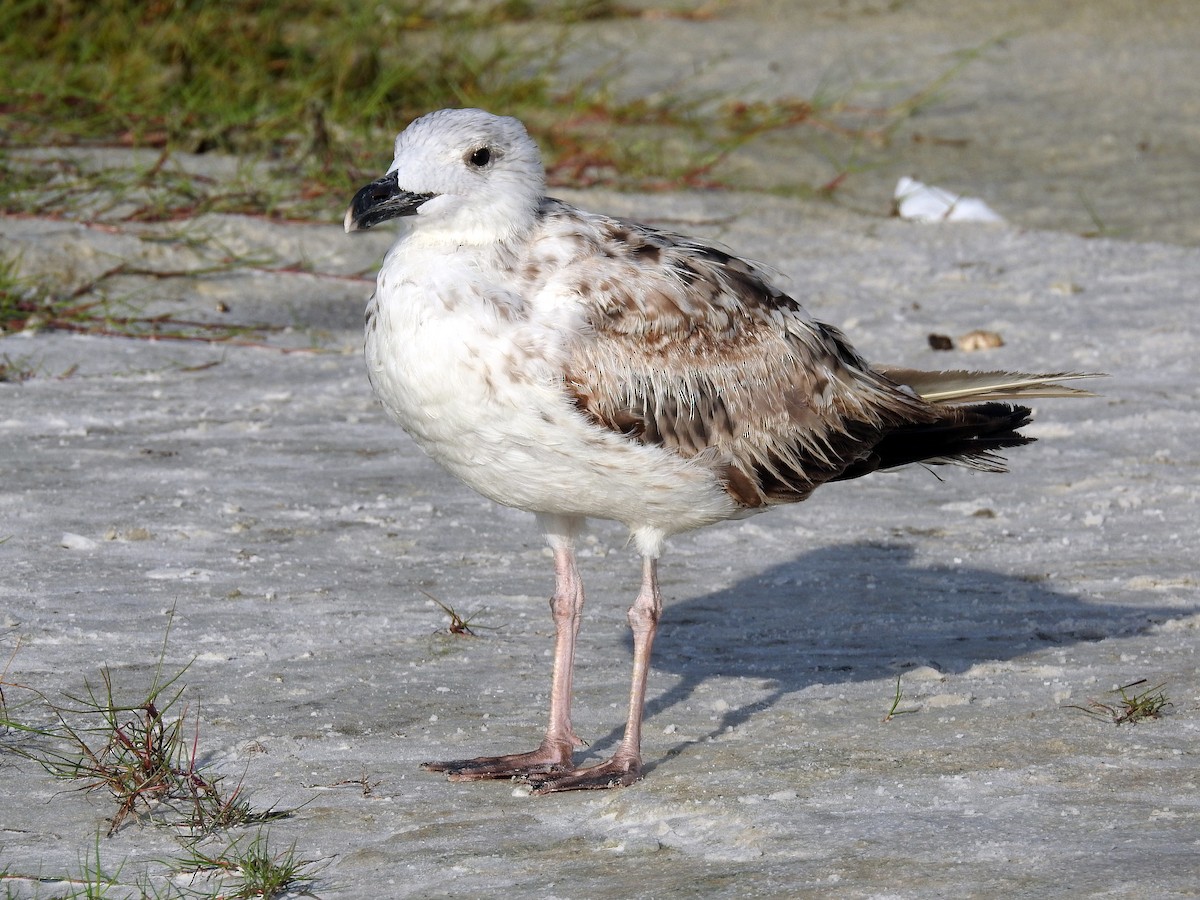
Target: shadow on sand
[[863, 611]]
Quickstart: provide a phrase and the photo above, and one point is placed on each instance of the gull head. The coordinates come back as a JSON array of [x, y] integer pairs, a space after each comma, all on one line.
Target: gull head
[[462, 175]]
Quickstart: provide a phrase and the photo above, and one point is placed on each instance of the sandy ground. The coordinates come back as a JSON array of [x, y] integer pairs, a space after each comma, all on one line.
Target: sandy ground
[[1079, 115], [259, 492]]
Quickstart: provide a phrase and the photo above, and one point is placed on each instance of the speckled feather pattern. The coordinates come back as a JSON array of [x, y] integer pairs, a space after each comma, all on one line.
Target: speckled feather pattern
[[575, 365], [686, 347]]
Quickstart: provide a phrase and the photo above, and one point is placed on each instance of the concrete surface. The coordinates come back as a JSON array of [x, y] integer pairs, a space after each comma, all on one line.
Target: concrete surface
[[300, 538]]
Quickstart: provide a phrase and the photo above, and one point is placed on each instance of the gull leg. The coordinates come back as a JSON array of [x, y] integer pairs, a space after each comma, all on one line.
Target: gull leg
[[554, 752], [625, 765]]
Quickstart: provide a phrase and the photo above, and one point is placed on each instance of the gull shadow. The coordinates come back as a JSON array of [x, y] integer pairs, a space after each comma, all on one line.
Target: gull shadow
[[864, 611]]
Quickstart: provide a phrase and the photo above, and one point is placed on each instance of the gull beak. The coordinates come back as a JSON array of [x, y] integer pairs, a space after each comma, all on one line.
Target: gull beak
[[382, 200]]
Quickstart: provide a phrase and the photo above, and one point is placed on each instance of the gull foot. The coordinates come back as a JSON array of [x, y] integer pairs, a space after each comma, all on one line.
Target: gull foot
[[542, 761], [613, 773]]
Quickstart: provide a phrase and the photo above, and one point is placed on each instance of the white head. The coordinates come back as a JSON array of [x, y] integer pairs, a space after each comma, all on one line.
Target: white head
[[464, 175]]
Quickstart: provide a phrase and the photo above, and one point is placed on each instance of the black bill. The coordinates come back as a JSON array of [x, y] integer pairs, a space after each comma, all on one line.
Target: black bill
[[382, 200]]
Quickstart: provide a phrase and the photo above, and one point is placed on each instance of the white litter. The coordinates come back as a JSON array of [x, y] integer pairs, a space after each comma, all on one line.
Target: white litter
[[917, 202]]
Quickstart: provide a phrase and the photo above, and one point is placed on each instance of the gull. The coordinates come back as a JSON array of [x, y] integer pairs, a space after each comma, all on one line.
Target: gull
[[577, 365]]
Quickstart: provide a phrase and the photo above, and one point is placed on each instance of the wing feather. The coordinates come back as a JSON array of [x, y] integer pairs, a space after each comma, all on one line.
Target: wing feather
[[960, 386], [684, 346]]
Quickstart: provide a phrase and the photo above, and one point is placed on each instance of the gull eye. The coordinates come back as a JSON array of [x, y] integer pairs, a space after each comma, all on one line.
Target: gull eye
[[480, 158]]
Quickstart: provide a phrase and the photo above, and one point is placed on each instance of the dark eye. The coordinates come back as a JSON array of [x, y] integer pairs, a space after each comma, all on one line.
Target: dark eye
[[480, 158]]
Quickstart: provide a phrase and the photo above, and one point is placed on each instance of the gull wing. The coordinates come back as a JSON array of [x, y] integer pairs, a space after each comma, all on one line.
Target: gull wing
[[687, 347]]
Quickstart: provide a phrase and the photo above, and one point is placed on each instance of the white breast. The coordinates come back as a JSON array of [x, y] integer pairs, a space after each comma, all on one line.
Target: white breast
[[478, 385]]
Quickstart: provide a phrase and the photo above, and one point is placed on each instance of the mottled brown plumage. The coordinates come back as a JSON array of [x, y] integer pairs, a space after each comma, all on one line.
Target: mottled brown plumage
[[576, 365], [686, 347]]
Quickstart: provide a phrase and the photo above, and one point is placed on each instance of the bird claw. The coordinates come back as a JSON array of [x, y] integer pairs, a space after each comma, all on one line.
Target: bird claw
[[516, 765], [611, 774], [542, 770]]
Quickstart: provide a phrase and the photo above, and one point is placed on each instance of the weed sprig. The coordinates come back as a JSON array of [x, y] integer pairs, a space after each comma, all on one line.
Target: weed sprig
[[27, 305], [259, 872], [459, 624], [895, 710], [1130, 706], [139, 753]]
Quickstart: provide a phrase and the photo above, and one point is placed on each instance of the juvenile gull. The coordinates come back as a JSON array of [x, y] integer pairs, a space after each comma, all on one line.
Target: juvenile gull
[[573, 365]]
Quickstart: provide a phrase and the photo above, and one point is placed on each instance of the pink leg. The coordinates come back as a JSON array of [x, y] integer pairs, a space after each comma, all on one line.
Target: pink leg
[[554, 753], [625, 765]]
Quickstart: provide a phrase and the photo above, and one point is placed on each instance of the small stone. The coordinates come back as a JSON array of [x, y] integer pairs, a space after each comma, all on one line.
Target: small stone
[[980, 340], [1065, 288]]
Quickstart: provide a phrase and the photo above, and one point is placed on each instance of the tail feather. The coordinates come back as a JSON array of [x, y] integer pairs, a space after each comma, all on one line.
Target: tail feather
[[960, 386], [973, 424], [970, 436]]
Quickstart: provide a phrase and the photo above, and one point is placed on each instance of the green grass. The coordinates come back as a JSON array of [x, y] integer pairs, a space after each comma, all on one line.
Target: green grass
[[318, 85], [143, 754], [1128, 706], [315, 90], [242, 77], [247, 868], [894, 709], [240, 869]]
